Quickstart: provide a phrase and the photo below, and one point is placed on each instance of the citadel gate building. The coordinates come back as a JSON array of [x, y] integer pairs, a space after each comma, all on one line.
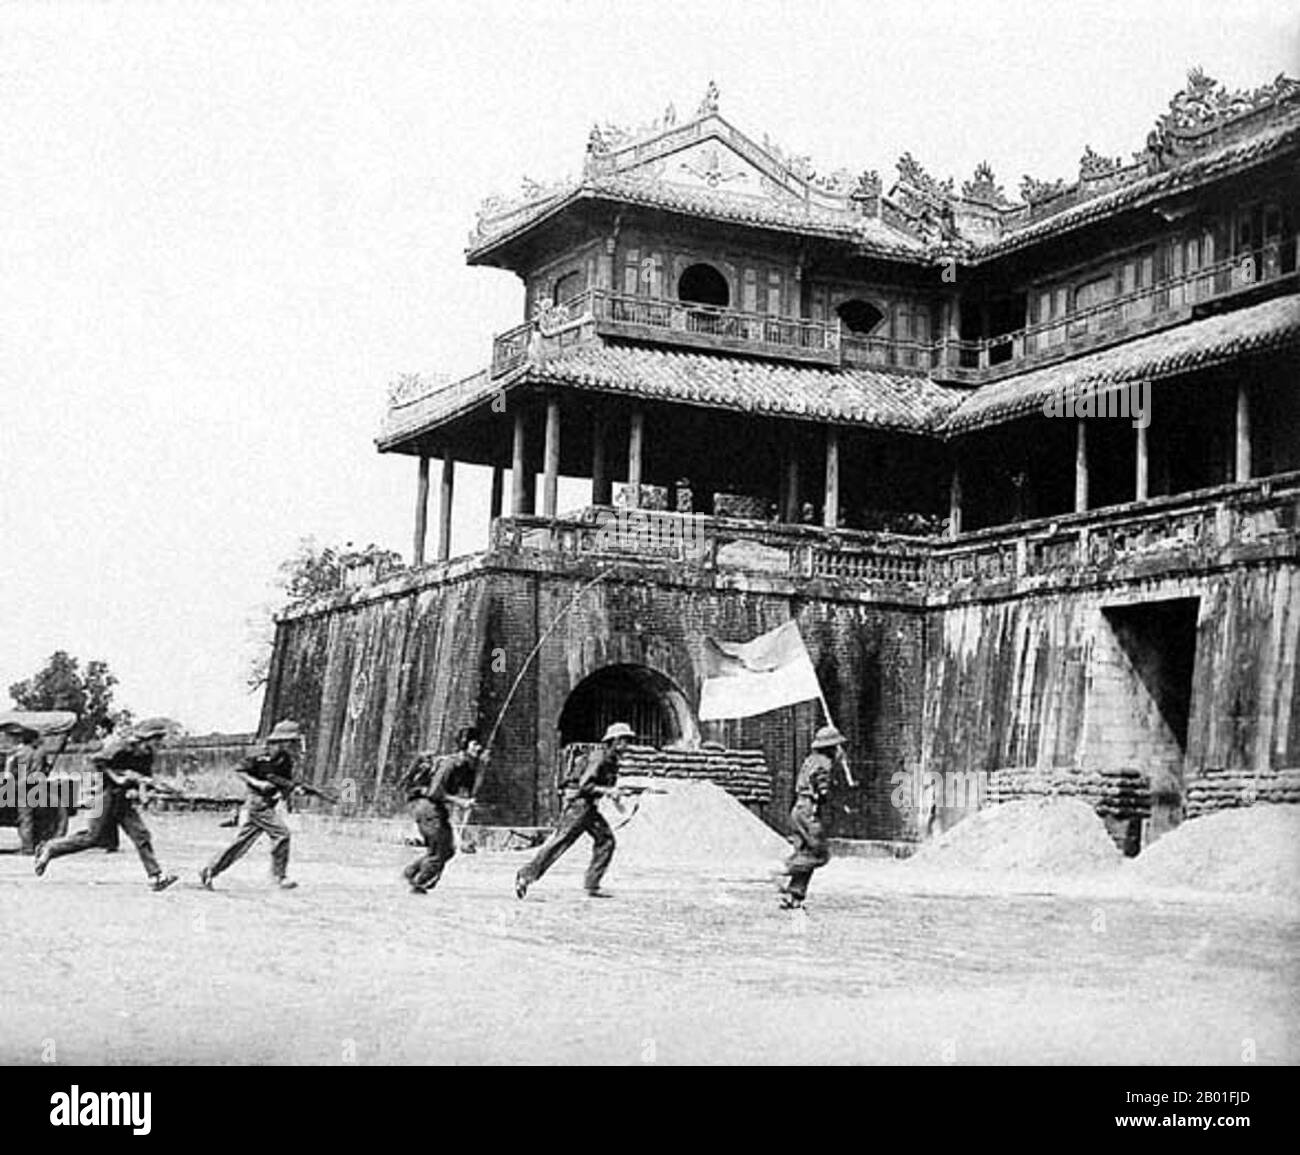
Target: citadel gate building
[[1026, 473]]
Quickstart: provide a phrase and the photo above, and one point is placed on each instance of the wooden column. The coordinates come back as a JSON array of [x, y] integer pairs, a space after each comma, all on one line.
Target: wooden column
[[1243, 467], [635, 446], [444, 506], [831, 508], [518, 469], [551, 466], [421, 511], [498, 488], [954, 502], [1143, 481], [1080, 466], [790, 483], [601, 487]]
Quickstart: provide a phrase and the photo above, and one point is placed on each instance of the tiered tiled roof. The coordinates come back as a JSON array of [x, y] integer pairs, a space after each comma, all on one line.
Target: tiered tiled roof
[[853, 396], [706, 168], [861, 397], [1202, 344]]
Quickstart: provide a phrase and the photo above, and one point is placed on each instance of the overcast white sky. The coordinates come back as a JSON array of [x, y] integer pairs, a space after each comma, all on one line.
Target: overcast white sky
[[224, 228]]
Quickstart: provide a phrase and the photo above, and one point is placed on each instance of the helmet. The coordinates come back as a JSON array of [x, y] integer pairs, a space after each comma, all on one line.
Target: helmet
[[826, 738], [286, 731], [19, 731], [151, 728], [618, 730]]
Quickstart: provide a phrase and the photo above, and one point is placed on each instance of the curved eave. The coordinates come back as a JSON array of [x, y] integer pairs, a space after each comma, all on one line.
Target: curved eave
[[1239, 157], [847, 234]]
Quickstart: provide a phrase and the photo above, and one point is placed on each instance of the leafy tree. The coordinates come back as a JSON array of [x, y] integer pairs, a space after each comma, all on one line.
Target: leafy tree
[[60, 685], [313, 571]]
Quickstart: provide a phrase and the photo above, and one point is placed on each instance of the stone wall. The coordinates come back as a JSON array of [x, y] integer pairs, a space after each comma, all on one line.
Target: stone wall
[[384, 676]]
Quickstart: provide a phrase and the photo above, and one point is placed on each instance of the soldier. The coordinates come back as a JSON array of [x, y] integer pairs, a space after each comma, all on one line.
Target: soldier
[[808, 817], [29, 764], [599, 779], [431, 785], [123, 764], [260, 772]]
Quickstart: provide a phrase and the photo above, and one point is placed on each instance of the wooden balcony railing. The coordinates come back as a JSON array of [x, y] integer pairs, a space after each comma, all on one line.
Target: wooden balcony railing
[[599, 313], [1178, 531]]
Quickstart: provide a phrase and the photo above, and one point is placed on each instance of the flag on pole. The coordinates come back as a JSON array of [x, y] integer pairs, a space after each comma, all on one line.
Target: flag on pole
[[742, 679]]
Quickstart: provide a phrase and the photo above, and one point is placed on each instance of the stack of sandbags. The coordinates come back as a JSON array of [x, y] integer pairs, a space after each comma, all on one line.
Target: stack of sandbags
[[1122, 793], [1213, 790], [741, 773]]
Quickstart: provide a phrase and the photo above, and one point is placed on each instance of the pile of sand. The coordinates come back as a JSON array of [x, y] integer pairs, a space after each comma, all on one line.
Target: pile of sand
[[693, 822], [1042, 835], [1255, 850]]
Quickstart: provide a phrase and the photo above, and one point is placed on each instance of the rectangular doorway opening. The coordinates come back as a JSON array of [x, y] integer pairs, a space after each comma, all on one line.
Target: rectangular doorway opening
[[1156, 642]]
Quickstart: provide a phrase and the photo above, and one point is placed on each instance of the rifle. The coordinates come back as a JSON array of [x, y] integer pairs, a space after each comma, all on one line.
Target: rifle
[[289, 786], [133, 781], [638, 791]]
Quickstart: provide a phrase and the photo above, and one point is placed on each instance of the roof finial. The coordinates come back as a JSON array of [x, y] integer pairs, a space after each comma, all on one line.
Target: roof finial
[[709, 105]]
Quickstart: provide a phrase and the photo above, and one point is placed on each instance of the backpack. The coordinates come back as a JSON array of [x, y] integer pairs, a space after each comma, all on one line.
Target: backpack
[[419, 773]]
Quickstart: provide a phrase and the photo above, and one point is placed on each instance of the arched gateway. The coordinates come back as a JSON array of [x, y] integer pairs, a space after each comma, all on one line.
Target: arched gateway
[[645, 699]]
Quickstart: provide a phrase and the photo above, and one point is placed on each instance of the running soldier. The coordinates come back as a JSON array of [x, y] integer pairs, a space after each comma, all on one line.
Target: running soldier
[[29, 765], [124, 765], [599, 779], [268, 774], [434, 783], [808, 817]]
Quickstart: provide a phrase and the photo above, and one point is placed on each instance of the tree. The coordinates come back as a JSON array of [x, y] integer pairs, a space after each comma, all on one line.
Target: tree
[[60, 685], [313, 571]]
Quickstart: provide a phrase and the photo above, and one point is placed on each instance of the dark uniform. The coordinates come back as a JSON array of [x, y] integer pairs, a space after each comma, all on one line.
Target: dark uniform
[[259, 816], [117, 806], [29, 764], [431, 784], [808, 824], [580, 816]]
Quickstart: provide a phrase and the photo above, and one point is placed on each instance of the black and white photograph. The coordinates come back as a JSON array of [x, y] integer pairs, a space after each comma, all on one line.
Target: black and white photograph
[[650, 535]]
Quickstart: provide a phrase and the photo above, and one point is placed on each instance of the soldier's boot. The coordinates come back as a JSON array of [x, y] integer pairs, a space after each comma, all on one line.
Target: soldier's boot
[[161, 881], [42, 859], [284, 884], [205, 878]]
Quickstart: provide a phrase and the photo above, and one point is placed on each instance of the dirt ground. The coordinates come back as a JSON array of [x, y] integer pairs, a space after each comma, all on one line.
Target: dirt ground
[[682, 965]]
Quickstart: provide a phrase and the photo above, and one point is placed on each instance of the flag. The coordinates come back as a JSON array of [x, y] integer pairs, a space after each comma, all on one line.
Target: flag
[[746, 678]]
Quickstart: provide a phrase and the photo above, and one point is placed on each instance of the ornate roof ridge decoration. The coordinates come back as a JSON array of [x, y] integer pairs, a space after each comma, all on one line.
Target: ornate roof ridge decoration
[[1036, 192], [920, 182], [644, 162], [1092, 165], [408, 387], [984, 189], [1202, 108]]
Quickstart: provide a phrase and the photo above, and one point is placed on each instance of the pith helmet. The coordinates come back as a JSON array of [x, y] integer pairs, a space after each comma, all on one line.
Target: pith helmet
[[285, 731], [19, 731], [151, 728], [827, 737], [618, 730]]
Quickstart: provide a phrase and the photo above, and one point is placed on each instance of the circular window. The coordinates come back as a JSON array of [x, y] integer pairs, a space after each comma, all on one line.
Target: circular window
[[704, 285]]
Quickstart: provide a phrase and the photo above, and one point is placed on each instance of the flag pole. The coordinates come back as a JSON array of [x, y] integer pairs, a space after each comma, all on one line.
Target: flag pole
[[848, 773]]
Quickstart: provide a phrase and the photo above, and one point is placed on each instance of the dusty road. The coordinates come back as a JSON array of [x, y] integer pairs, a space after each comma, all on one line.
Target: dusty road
[[682, 966]]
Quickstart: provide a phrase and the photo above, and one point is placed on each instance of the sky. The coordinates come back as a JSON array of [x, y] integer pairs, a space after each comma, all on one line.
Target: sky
[[226, 228]]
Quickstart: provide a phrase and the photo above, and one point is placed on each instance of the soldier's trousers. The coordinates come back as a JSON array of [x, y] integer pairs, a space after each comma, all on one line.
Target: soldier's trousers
[[811, 849], [581, 816], [440, 843], [117, 811], [259, 818], [28, 824]]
